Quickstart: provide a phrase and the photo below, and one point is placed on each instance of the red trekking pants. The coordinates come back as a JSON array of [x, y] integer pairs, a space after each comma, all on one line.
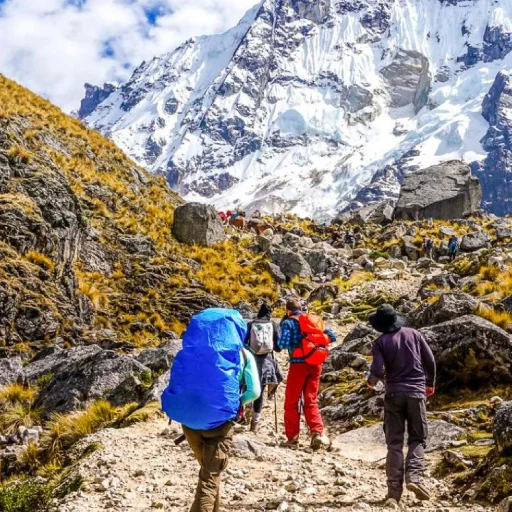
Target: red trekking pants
[[303, 380]]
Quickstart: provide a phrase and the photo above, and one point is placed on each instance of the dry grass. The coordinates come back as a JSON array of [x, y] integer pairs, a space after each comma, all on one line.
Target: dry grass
[[489, 272], [41, 261], [223, 275], [18, 153], [496, 289], [17, 409], [357, 278], [502, 319], [64, 430], [14, 394]]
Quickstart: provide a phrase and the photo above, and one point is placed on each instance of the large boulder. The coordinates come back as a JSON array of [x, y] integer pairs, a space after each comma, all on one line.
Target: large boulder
[[72, 378], [199, 224], [291, 263], [470, 351], [11, 370], [438, 284], [475, 241], [449, 307], [505, 505], [160, 359], [503, 427], [445, 191]]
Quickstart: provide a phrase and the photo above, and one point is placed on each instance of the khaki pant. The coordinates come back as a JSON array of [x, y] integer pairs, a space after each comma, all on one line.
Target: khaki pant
[[211, 449]]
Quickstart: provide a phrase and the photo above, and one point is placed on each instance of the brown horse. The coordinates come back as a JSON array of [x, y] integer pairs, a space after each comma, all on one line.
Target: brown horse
[[259, 226], [238, 222]]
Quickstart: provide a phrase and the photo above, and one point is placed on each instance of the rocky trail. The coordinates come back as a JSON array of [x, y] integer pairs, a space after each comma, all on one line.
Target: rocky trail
[[140, 468]]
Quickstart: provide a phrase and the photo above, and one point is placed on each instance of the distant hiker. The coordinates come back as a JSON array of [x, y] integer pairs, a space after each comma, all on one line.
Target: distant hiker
[[306, 339], [212, 377], [403, 359], [453, 248], [428, 248], [256, 214], [261, 340], [350, 239]]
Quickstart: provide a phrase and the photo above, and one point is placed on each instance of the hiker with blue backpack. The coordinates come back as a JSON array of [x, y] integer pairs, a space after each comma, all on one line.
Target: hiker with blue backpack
[[212, 378], [261, 340], [306, 339]]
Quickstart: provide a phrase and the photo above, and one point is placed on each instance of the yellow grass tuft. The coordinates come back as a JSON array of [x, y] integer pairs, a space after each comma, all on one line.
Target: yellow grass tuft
[[64, 430], [19, 153], [502, 319], [41, 261], [489, 272], [14, 394]]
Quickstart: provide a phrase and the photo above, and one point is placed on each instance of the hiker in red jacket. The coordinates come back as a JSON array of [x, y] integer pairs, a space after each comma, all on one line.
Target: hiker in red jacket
[[305, 372]]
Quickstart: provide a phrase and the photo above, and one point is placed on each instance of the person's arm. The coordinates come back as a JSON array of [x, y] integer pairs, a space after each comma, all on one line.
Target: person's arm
[[331, 335], [248, 335], [251, 379], [276, 331], [429, 365], [286, 341], [377, 369]]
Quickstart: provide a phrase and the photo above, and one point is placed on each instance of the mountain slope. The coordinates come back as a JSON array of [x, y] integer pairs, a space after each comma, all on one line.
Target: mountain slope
[[86, 252], [307, 106]]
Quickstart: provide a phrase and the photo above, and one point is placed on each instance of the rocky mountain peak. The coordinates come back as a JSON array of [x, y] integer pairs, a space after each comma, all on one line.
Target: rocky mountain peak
[[313, 107]]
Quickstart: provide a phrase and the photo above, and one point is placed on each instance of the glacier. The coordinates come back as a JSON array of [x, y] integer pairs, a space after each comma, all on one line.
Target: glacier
[[313, 106]]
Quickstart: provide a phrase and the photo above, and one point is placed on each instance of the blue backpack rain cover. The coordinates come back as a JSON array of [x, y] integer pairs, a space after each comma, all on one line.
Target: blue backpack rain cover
[[204, 390]]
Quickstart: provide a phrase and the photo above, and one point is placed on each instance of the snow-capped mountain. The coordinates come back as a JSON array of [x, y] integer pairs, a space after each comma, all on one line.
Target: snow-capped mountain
[[309, 106]]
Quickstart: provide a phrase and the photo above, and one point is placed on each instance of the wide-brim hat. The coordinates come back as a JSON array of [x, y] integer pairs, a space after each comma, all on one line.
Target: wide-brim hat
[[386, 319]]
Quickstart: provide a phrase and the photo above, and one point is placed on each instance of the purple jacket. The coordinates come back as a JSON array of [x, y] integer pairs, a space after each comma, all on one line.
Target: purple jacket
[[404, 361]]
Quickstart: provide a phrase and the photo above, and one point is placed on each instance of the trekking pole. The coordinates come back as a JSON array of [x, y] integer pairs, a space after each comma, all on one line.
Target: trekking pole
[[275, 412]]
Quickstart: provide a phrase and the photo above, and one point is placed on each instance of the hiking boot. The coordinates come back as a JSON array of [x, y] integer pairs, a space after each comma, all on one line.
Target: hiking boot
[[254, 426], [419, 491], [291, 443], [392, 503], [319, 441]]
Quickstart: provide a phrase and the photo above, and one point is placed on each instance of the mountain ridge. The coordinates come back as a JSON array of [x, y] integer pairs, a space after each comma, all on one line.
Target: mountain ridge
[[312, 107]]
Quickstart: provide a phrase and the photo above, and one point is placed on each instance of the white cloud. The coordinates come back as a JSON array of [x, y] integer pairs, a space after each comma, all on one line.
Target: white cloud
[[54, 46]]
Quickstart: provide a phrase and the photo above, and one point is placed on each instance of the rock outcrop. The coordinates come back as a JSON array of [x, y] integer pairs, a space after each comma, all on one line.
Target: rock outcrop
[[503, 427], [450, 306], [11, 370], [494, 171], [470, 352], [199, 224], [72, 378], [408, 79], [446, 191]]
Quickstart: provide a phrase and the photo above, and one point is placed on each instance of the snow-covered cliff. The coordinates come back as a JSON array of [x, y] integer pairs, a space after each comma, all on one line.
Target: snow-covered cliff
[[309, 106]]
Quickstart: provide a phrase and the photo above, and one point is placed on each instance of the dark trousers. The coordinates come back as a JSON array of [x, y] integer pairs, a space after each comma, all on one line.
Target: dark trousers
[[211, 449], [401, 409], [258, 403]]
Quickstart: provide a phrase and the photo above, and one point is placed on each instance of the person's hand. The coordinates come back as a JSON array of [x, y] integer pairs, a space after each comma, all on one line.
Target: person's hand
[[370, 386], [430, 391]]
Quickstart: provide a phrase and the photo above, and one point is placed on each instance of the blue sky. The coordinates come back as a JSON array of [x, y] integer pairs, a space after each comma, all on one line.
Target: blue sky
[[55, 46]]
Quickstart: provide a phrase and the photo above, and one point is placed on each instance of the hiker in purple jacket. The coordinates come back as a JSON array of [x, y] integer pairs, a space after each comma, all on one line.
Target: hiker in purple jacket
[[404, 361]]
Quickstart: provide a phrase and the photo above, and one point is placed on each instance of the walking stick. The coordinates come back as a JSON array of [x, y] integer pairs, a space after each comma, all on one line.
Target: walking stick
[[275, 412]]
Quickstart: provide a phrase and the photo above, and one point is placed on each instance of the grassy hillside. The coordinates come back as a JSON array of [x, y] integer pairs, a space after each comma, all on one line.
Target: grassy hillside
[[85, 239]]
